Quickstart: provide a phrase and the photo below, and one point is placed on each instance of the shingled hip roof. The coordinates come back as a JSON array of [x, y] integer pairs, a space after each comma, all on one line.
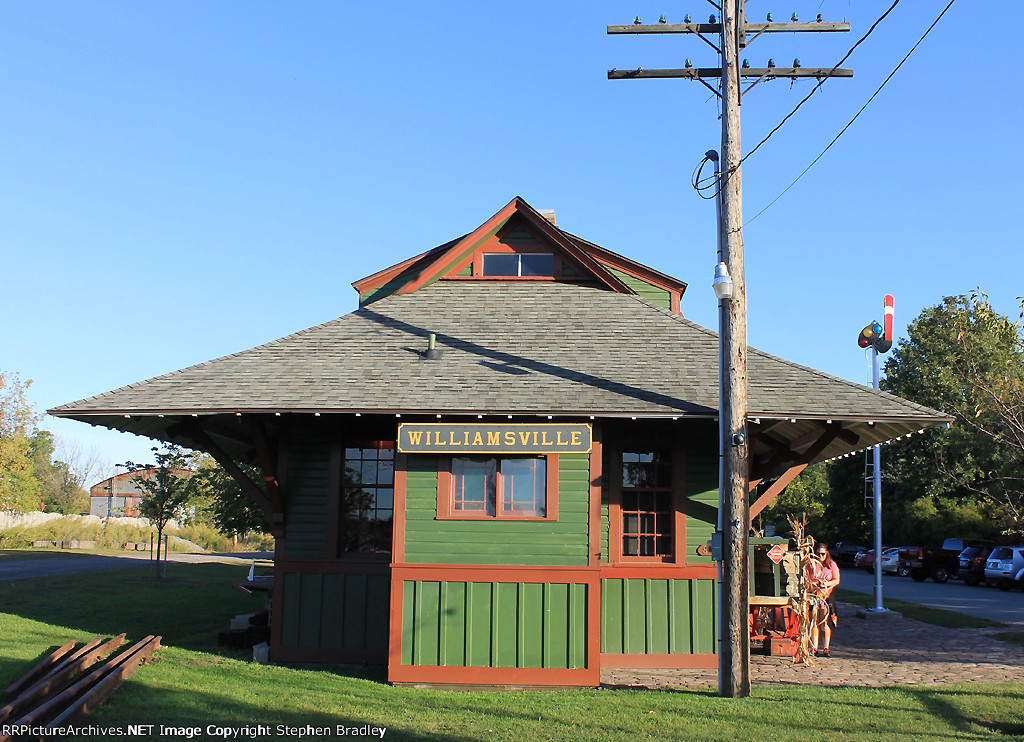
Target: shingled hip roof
[[508, 348]]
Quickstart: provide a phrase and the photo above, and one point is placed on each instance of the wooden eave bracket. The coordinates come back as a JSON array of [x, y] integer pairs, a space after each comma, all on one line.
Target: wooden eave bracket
[[205, 443], [822, 442]]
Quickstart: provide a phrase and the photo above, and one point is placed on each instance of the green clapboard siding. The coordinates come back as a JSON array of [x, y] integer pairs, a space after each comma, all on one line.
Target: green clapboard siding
[[335, 611], [484, 624], [383, 291], [518, 235], [658, 617], [661, 297], [701, 489], [306, 514], [498, 541]]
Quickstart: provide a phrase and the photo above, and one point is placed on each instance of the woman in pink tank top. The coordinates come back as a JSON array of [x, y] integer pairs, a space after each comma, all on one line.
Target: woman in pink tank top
[[825, 577]]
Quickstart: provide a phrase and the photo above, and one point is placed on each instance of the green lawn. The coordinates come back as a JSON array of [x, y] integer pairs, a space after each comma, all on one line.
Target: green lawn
[[194, 681], [925, 614]]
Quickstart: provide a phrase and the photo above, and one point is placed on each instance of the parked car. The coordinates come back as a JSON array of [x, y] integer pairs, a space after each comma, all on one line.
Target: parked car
[[1005, 567], [844, 552], [972, 563], [890, 560], [891, 563], [865, 559], [939, 564]]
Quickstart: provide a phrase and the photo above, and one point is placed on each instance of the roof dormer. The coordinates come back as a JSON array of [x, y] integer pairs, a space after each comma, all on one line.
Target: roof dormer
[[520, 243]]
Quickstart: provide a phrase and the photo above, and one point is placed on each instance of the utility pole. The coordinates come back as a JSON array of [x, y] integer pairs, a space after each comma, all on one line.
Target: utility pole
[[734, 506]]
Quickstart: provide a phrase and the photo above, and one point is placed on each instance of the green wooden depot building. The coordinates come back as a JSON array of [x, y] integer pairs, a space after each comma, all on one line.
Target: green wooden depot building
[[526, 503]]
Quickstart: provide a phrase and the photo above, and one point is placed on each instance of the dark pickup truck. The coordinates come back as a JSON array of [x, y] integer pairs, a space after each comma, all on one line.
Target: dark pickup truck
[[939, 564]]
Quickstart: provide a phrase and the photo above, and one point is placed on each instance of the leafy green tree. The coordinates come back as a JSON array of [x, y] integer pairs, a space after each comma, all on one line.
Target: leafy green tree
[[966, 359], [808, 493], [165, 487], [19, 489], [222, 501]]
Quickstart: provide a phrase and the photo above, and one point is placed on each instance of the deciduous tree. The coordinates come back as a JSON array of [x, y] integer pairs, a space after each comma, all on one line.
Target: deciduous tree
[[165, 486], [19, 489], [964, 358], [227, 506]]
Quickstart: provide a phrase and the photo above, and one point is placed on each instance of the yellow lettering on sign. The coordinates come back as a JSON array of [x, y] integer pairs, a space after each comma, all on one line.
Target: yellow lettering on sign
[[525, 438], [437, 440], [510, 438], [559, 441], [543, 438], [451, 438], [415, 436], [535, 437], [478, 440], [576, 438], [492, 438]]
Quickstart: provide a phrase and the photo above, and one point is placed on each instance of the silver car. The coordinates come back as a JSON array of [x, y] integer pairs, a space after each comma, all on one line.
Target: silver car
[[1005, 567]]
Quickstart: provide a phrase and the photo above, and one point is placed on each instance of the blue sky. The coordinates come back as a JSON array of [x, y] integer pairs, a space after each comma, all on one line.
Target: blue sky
[[180, 181]]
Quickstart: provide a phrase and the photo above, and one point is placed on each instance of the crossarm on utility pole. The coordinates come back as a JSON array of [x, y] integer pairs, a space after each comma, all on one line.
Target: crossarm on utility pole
[[716, 28], [694, 73]]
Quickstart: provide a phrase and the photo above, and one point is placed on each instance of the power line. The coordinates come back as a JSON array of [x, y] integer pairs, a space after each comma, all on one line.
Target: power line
[[855, 117], [822, 81]]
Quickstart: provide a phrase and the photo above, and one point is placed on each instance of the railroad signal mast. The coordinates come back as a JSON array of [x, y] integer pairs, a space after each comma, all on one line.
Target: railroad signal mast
[[879, 339], [734, 34]]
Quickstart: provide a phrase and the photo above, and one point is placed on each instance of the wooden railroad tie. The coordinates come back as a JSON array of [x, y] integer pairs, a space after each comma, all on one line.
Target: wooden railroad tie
[[70, 683]]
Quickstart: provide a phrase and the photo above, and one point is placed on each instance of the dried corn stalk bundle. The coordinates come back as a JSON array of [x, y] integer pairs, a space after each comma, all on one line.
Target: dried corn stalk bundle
[[802, 600]]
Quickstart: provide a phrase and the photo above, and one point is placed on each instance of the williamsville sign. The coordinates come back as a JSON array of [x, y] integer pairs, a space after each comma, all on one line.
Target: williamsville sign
[[485, 438]]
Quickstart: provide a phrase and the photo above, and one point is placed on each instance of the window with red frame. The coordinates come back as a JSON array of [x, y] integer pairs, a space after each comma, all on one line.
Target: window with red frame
[[514, 487], [647, 503]]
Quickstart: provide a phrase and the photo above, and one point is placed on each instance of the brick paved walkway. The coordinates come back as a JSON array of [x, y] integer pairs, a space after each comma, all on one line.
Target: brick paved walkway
[[868, 652]]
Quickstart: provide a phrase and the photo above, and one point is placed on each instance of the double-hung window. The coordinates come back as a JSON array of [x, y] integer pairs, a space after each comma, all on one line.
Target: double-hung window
[[512, 487]]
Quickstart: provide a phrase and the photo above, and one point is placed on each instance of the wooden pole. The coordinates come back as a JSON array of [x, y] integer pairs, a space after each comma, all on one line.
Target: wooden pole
[[734, 661], [734, 510]]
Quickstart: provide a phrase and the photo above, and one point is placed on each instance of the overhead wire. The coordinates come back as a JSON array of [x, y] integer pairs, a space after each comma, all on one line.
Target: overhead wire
[[820, 82], [855, 117], [724, 175]]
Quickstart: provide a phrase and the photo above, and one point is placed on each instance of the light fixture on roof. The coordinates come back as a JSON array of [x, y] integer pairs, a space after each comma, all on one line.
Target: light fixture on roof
[[723, 282]]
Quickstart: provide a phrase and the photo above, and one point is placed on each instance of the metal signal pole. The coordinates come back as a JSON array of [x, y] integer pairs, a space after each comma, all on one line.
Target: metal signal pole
[[734, 506]]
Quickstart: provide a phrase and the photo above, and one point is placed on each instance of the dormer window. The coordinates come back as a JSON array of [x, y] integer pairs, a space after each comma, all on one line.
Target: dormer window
[[518, 264]]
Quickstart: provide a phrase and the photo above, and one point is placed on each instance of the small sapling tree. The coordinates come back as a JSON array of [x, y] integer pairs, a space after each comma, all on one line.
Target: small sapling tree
[[165, 488]]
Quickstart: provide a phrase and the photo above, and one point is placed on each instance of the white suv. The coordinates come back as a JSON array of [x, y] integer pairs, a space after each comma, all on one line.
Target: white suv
[[1005, 567]]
